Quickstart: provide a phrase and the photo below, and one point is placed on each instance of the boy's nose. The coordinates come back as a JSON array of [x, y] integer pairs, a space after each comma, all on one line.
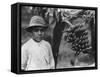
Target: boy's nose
[[39, 32]]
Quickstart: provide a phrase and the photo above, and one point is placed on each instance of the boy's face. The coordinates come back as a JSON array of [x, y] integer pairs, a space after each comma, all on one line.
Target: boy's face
[[38, 33]]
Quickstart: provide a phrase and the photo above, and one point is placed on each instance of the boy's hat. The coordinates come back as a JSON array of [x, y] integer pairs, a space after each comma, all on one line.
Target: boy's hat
[[36, 21]]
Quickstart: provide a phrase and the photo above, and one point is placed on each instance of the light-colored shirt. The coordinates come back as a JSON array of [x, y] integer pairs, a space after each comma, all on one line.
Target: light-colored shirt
[[36, 55]]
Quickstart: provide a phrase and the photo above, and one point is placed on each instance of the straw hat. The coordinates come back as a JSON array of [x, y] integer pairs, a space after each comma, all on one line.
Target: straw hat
[[36, 21]]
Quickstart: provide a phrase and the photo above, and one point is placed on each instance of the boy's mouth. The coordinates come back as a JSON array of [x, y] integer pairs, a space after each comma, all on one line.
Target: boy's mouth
[[39, 38]]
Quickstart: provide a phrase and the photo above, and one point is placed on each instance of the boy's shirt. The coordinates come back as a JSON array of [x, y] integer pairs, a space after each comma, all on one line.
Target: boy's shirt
[[36, 55]]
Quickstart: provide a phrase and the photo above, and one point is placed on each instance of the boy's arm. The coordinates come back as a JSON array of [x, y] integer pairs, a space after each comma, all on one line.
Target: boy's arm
[[51, 58], [23, 58]]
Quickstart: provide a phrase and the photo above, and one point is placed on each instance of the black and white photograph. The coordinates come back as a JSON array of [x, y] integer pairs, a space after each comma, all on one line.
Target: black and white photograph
[[57, 37]]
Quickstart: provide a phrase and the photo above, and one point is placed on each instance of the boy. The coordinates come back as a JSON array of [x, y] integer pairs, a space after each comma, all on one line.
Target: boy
[[36, 54]]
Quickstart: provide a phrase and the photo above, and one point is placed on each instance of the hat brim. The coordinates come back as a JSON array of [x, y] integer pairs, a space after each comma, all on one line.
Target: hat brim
[[30, 29]]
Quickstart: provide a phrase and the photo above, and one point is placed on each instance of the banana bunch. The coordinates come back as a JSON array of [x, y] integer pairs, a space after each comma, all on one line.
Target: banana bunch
[[78, 37]]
